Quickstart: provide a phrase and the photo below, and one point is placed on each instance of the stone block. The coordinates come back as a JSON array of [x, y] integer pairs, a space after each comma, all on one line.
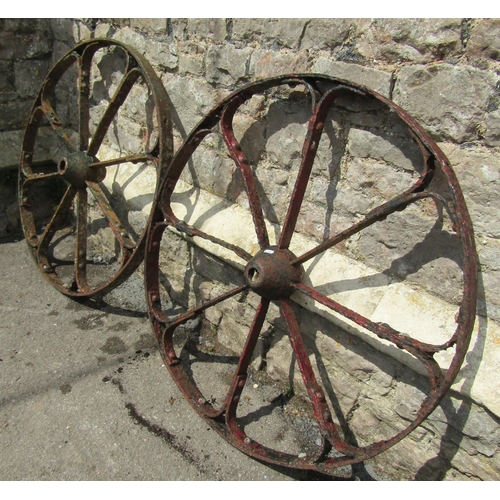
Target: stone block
[[415, 40], [191, 99], [161, 53], [267, 63], [213, 29], [227, 66], [14, 115], [154, 25], [25, 46], [326, 33], [478, 173], [392, 150], [449, 101], [491, 131], [281, 32], [484, 41], [6, 77], [29, 77], [374, 79]]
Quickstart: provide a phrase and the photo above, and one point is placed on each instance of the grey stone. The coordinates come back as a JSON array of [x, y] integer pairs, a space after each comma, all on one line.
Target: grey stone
[[25, 46], [416, 40], [191, 58], [191, 99], [267, 63], [484, 40], [159, 53], [6, 77], [227, 66], [10, 145], [212, 29], [492, 128], [392, 150], [449, 101], [478, 173], [325, 33], [283, 32], [30, 76], [14, 115], [374, 79], [155, 25]]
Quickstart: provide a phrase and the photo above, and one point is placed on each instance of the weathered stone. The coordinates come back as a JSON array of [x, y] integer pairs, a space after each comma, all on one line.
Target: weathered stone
[[267, 63], [13, 115], [416, 40], [25, 46], [29, 25], [449, 101], [103, 30], [30, 76], [155, 25], [374, 79], [214, 29], [227, 65], [191, 58], [161, 53], [393, 150], [479, 175], [250, 133], [191, 100], [484, 40], [69, 30], [281, 32], [10, 145], [286, 131], [492, 129], [6, 77], [325, 33]]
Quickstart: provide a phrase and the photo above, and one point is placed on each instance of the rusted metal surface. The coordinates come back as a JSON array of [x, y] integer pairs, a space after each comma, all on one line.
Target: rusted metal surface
[[274, 273], [80, 171]]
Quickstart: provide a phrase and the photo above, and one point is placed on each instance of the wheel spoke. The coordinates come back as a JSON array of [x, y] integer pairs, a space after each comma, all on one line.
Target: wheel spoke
[[123, 159], [377, 214], [314, 390], [314, 131], [168, 325], [192, 313], [246, 171], [57, 125], [55, 223], [191, 231], [241, 372], [81, 241], [84, 96], [118, 99], [34, 178], [382, 330], [123, 237]]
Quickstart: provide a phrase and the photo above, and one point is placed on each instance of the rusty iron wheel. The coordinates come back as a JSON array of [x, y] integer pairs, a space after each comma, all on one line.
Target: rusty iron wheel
[[272, 274], [65, 206]]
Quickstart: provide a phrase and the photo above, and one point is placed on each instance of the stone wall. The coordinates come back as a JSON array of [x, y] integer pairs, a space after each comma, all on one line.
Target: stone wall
[[25, 55], [444, 72]]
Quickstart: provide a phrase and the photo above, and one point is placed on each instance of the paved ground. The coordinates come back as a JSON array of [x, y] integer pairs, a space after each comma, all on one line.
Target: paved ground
[[84, 394]]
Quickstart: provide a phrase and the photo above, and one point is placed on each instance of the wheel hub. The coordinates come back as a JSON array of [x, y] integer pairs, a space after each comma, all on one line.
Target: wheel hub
[[271, 274], [77, 170]]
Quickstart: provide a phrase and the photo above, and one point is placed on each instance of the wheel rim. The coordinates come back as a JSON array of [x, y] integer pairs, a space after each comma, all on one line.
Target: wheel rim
[[100, 248], [273, 274]]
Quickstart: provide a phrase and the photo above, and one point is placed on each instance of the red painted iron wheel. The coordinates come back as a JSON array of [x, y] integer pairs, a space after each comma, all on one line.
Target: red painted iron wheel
[[77, 227], [270, 275]]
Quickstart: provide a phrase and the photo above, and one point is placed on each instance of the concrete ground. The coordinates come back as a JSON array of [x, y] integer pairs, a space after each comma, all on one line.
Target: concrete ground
[[84, 394]]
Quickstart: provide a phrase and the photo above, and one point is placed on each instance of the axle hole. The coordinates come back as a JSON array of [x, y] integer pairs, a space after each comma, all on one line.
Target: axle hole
[[253, 274], [62, 165]]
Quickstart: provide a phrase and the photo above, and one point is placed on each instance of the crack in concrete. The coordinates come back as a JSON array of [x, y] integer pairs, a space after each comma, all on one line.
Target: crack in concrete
[[165, 435]]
